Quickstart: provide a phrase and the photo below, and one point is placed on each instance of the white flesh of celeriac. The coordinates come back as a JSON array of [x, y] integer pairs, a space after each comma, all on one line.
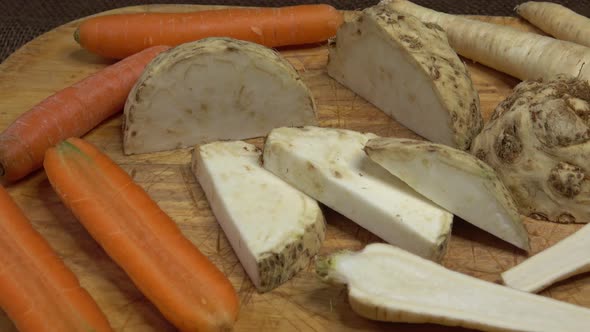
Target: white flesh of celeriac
[[388, 284], [330, 166], [455, 180], [273, 228]]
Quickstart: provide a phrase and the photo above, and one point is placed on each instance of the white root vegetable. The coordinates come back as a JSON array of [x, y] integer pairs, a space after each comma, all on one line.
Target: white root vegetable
[[524, 55], [538, 141], [411, 73], [455, 180], [557, 20], [566, 258], [213, 89], [273, 228], [388, 284], [330, 166]]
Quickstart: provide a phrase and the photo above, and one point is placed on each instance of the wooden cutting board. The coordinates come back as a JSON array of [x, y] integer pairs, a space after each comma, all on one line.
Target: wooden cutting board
[[54, 61]]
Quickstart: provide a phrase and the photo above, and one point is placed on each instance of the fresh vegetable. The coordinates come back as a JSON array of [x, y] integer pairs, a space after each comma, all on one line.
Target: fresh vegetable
[[455, 180], [386, 283], [273, 228], [538, 141], [566, 258], [37, 290], [118, 36], [557, 20], [72, 111], [524, 55], [166, 267], [411, 73], [213, 89], [330, 166]]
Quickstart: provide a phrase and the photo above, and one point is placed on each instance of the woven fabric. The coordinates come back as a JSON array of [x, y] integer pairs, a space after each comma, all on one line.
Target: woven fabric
[[21, 21]]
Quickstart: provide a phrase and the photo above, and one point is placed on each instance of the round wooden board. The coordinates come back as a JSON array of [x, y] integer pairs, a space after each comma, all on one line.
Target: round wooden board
[[54, 61]]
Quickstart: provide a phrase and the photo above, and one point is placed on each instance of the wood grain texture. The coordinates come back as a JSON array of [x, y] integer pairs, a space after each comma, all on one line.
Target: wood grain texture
[[54, 61]]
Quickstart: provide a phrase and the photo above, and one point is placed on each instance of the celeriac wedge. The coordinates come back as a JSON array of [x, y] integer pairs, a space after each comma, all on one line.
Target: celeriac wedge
[[273, 228], [213, 89], [455, 180], [566, 258], [389, 284], [409, 71], [330, 166]]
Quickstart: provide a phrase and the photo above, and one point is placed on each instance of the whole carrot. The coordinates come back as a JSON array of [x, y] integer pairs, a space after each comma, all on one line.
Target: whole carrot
[[37, 290], [70, 112], [117, 36], [166, 267]]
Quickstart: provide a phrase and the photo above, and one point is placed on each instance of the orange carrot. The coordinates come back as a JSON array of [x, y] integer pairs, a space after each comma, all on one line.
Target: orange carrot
[[70, 112], [117, 36], [37, 290], [166, 267]]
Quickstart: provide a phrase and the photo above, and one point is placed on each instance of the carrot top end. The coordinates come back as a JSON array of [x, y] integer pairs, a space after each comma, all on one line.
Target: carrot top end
[[77, 35]]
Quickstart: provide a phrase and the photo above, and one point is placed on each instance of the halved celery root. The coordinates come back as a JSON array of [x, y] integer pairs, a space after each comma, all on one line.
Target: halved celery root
[[213, 89], [525, 55], [273, 228], [410, 73], [455, 180], [566, 258], [388, 284], [330, 166]]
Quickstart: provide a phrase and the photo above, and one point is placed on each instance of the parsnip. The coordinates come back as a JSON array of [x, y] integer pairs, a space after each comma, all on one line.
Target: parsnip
[[455, 180], [523, 55], [330, 166], [566, 258], [557, 20], [388, 284], [273, 228], [411, 73]]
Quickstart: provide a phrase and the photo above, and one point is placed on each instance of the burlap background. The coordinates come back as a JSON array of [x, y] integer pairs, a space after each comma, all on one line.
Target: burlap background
[[23, 20]]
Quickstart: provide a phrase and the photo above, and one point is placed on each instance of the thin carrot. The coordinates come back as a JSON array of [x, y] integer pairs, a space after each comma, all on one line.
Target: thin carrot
[[166, 267], [70, 112], [117, 36], [37, 290]]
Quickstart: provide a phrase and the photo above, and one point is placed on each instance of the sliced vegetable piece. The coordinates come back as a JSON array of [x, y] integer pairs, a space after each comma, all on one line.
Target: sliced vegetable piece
[[566, 258], [213, 89], [166, 267], [524, 55], [556, 20], [273, 228], [455, 180], [411, 74], [330, 166], [389, 284]]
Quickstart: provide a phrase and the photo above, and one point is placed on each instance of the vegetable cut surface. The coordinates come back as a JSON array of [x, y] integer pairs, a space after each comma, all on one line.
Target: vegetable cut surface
[[213, 89], [331, 166], [274, 229]]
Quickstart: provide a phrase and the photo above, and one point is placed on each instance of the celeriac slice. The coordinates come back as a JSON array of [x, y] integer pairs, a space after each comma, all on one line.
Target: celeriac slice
[[330, 166], [455, 180], [566, 258], [273, 228], [388, 284]]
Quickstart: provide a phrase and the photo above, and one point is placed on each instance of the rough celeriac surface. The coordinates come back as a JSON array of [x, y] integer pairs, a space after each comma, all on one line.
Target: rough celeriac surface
[[455, 180], [386, 283], [408, 70], [331, 166], [213, 89], [273, 228], [538, 142]]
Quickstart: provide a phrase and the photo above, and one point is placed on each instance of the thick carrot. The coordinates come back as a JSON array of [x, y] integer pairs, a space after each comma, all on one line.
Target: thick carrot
[[557, 20], [525, 55], [117, 36], [37, 290], [70, 112], [166, 267]]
